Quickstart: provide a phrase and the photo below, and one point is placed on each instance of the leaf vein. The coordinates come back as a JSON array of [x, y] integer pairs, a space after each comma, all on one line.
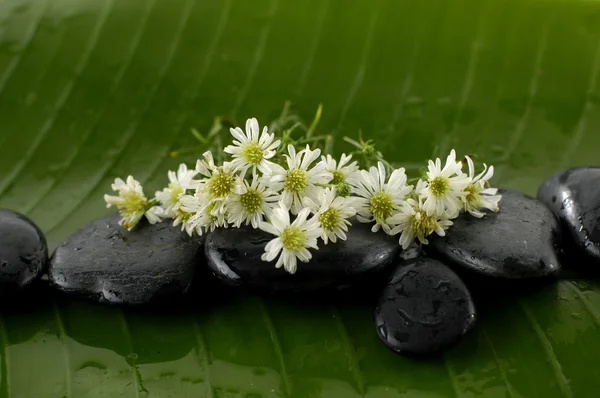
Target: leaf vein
[[202, 76], [258, 55], [313, 48], [584, 300], [452, 377], [203, 354], [408, 80], [580, 128], [509, 389], [362, 68], [517, 135], [14, 63], [131, 132], [469, 77], [351, 352], [87, 133], [62, 99], [66, 358], [266, 317], [132, 354], [5, 362], [561, 379]]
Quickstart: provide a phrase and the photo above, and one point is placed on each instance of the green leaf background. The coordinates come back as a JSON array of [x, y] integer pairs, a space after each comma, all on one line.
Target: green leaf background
[[94, 89]]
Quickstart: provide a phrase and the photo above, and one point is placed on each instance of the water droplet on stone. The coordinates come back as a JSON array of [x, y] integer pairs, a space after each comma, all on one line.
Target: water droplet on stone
[[433, 312]]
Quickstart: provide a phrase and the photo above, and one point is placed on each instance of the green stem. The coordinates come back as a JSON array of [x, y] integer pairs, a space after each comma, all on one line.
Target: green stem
[[185, 151], [353, 142], [294, 127], [315, 122], [329, 145]]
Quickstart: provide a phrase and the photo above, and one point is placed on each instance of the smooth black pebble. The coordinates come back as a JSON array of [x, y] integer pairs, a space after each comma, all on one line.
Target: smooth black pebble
[[105, 262], [574, 196], [520, 241], [424, 308], [23, 252], [233, 255]]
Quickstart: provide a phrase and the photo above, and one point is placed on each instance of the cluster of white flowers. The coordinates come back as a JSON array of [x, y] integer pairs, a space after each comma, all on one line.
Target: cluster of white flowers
[[321, 194]]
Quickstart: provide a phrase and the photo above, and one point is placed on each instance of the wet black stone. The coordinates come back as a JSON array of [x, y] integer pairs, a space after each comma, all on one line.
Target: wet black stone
[[424, 308], [574, 196], [23, 252], [103, 261], [520, 241], [233, 255]]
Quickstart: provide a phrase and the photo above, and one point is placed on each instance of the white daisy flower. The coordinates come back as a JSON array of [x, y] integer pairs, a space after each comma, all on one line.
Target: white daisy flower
[[340, 172], [179, 183], [253, 205], [377, 200], [479, 193], [132, 203], [252, 149], [445, 187], [333, 212], [207, 214], [220, 181], [293, 240], [154, 215], [412, 221], [299, 181], [181, 217]]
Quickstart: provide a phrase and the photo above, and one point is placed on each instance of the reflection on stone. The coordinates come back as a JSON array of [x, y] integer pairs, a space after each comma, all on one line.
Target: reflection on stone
[[233, 255], [573, 195], [518, 242], [104, 262]]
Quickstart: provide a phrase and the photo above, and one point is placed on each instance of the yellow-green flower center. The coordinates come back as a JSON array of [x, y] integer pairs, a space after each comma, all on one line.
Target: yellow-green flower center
[[295, 181], [293, 238], [220, 184], [472, 195], [439, 186], [343, 189], [252, 153], [381, 206], [133, 202], [176, 191], [338, 177], [208, 210], [329, 219], [251, 201], [422, 224], [182, 215]]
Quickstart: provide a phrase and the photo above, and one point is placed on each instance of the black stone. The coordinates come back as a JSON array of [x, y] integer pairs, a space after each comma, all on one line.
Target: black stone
[[424, 308], [520, 241], [573, 195], [23, 252], [233, 255], [105, 262]]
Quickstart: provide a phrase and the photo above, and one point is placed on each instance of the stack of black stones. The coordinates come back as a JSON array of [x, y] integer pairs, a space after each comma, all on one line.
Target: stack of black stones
[[423, 305]]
